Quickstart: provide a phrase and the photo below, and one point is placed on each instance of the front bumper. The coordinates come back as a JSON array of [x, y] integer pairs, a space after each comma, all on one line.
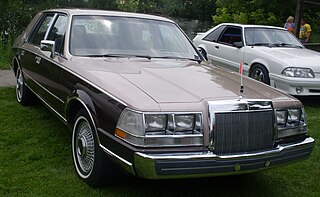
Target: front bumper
[[204, 164], [308, 86]]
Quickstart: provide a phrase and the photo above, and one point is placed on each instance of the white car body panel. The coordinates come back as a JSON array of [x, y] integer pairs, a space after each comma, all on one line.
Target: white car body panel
[[274, 59]]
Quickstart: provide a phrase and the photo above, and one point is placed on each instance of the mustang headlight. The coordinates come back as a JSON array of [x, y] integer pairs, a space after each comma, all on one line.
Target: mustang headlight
[[291, 122], [298, 72], [160, 129]]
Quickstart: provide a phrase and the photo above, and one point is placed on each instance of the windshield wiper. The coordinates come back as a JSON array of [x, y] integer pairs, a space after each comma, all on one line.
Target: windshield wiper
[[261, 44], [120, 56], [143, 56], [282, 44], [178, 58]]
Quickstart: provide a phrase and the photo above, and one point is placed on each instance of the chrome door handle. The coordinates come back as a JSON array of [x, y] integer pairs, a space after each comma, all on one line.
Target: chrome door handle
[[38, 60]]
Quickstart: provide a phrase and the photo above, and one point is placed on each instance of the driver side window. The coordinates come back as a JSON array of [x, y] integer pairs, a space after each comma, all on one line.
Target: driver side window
[[57, 32], [40, 30], [231, 35]]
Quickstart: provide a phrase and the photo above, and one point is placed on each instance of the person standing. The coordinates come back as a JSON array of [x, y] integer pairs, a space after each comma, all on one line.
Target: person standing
[[289, 25], [305, 32]]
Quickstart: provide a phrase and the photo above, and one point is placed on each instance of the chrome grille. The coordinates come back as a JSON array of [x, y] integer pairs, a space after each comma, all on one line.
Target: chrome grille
[[241, 126], [243, 132]]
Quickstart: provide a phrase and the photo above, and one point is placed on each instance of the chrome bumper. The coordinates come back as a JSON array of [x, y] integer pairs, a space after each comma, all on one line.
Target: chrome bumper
[[204, 164]]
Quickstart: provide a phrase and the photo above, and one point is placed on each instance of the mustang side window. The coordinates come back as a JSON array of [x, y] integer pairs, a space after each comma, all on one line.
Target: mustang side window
[[231, 35], [57, 32], [41, 29], [214, 35]]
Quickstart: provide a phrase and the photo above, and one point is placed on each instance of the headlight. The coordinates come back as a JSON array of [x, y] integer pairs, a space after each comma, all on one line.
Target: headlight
[[163, 129], [291, 122], [298, 72]]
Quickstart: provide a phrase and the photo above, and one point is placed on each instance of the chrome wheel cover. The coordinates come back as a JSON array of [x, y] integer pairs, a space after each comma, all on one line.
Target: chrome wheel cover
[[19, 85], [83, 147]]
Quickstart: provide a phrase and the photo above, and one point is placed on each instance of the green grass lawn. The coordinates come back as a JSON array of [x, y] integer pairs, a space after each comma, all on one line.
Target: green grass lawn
[[35, 160]]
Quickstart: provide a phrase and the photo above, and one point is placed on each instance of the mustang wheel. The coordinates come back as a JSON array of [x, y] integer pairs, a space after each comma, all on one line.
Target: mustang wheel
[[24, 95], [260, 73], [88, 157]]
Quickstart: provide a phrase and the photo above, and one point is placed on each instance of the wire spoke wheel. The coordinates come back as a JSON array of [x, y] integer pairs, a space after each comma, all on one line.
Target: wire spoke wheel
[[19, 85], [85, 147]]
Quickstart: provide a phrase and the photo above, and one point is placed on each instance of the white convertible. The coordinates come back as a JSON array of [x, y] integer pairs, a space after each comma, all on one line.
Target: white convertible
[[269, 54]]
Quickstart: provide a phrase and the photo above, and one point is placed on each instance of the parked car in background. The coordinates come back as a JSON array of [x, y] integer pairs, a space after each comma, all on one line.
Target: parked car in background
[[268, 54], [135, 92]]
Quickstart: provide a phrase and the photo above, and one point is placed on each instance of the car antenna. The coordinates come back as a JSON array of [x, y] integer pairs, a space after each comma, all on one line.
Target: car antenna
[[241, 82]]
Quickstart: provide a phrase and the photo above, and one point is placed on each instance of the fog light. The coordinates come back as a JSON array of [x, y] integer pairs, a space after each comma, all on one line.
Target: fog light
[[299, 89]]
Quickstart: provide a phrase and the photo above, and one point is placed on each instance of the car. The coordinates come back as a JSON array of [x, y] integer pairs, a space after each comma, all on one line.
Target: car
[[138, 95], [272, 55]]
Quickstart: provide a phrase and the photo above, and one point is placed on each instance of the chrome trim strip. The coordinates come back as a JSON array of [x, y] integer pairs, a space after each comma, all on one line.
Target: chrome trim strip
[[44, 88], [79, 76], [116, 156], [50, 25], [210, 155], [57, 113]]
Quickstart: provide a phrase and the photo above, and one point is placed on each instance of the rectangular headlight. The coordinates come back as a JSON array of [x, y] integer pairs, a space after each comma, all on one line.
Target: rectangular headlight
[[155, 122], [294, 116], [291, 122], [282, 117], [160, 129], [184, 122]]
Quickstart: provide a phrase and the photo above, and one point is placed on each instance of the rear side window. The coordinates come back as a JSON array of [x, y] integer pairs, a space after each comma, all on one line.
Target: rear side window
[[231, 35], [214, 35], [41, 29]]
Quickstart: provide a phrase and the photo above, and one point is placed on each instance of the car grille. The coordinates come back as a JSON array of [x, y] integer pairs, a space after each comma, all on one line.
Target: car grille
[[243, 132], [241, 126]]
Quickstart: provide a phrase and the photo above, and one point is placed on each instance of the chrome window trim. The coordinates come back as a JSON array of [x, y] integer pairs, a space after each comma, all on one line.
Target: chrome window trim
[[50, 25]]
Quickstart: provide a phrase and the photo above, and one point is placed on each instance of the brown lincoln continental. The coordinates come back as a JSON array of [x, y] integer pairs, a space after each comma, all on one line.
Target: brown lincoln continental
[[132, 87]]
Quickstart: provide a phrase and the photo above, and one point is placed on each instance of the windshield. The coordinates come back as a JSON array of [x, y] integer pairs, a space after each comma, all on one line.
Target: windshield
[[270, 37], [123, 36]]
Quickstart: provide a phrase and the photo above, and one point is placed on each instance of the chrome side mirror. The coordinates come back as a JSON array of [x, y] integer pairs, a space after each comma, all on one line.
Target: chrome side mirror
[[48, 45]]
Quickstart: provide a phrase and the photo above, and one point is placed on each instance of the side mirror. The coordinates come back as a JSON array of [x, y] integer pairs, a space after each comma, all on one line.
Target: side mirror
[[48, 45], [238, 44]]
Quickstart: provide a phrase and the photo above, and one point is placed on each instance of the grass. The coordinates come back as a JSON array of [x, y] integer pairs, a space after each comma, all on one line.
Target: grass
[[6, 55], [36, 161]]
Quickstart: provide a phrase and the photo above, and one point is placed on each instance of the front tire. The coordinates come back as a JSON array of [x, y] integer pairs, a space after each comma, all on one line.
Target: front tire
[[88, 158], [23, 94], [260, 73]]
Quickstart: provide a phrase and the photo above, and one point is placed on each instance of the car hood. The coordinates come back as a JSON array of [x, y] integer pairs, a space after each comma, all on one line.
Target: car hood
[[293, 56], [170, 81]]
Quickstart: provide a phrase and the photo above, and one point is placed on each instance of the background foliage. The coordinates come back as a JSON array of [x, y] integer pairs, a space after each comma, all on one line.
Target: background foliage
[[16, 14]]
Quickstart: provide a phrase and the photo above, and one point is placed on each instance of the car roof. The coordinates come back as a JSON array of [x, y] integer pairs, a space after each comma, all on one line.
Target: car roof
[[77, 11], [252, 26]]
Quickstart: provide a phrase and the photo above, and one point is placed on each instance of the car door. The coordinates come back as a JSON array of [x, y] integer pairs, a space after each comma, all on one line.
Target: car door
[[43, 73], [212, 45], [229, 55]]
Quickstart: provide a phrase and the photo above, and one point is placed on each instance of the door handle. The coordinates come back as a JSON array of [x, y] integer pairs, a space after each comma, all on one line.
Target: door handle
[[38, 60], [217, 47]]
